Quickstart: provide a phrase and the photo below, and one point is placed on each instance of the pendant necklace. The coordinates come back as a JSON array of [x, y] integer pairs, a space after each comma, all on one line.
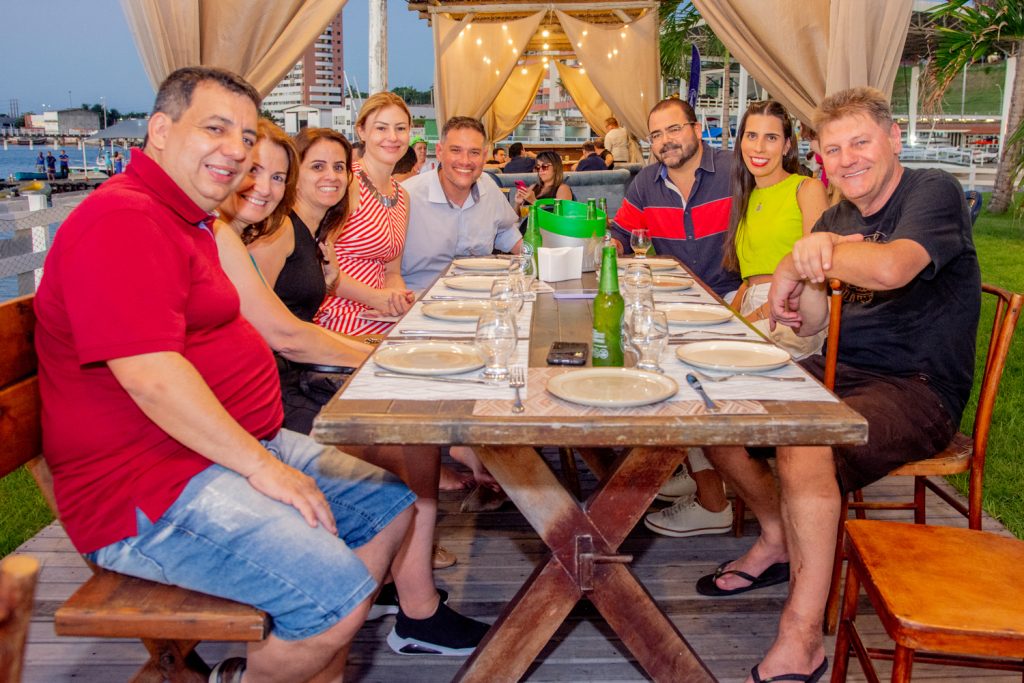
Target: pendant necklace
[[387, 201]]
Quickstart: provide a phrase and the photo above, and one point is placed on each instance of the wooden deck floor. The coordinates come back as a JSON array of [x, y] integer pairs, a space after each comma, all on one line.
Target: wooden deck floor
[[496, 553]]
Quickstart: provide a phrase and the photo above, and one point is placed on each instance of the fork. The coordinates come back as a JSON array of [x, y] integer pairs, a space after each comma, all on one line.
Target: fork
[[517, 380], [722, 378]]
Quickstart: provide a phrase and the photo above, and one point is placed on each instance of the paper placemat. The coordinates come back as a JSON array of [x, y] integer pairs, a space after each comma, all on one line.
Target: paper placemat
[[364, 385], [540, 403]]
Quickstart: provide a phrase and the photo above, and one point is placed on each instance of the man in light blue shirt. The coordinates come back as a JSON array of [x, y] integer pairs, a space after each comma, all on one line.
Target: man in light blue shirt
[[452, 213]]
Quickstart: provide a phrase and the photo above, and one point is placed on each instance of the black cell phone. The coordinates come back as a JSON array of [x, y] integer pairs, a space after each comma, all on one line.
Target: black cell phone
[[568, 353]]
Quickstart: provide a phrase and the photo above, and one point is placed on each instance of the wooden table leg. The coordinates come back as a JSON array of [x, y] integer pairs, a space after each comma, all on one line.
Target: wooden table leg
[[583, 563]]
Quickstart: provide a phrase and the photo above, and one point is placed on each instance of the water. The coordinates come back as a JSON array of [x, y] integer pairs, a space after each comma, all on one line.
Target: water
[[20, 158]]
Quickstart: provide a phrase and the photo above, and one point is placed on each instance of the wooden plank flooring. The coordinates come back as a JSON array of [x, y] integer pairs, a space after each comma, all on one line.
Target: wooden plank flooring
[[496, 553]]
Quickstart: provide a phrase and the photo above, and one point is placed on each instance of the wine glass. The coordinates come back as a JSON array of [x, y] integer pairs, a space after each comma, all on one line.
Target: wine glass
[[640, 242], [496, 339], [648, 335], [507, 292]]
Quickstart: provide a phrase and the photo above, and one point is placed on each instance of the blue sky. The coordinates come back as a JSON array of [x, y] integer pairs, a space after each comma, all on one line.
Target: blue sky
[[49, 47]]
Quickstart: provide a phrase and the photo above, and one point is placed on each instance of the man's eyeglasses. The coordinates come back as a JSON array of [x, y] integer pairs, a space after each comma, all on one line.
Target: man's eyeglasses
[[670, 132], [543, 167]]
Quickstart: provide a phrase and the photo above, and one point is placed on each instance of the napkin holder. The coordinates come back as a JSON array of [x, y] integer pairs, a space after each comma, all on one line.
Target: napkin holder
[[560, 263]]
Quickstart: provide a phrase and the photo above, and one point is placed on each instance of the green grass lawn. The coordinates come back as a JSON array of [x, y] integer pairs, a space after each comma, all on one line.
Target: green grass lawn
[[984, 90], [1000, 244]]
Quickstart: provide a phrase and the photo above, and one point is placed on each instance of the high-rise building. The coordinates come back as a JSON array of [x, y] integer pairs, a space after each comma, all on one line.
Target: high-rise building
[[317, 79]]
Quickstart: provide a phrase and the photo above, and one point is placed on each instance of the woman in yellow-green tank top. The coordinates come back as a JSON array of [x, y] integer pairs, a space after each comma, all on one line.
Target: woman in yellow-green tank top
[[772, 207]]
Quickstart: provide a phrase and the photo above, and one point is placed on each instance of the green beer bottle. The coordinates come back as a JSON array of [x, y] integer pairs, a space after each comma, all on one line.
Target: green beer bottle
[[608, 310], [532, 240]]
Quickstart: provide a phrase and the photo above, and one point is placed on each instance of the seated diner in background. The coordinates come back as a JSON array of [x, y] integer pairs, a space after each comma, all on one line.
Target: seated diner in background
[[161, 410], [367, 245], [498, 161], [772, 207], [550, 182], [519, 160], [258, 209], [901, 242], [590, 160]]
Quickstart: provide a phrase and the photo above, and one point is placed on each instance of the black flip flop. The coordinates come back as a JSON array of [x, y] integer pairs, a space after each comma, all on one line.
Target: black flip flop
[[775, 574], [812, 677]]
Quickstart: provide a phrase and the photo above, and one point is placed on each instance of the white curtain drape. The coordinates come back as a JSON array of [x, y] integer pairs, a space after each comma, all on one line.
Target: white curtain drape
[[261, 41], [513, 102], [622, 63], [472, 61], [802, 52], [585, 96]]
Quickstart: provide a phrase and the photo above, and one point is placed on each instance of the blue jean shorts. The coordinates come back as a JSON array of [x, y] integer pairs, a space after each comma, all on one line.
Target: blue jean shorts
[[224, 538]]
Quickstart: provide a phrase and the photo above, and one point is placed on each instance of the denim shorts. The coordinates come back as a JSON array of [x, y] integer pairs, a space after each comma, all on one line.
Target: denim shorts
[[224, 538]]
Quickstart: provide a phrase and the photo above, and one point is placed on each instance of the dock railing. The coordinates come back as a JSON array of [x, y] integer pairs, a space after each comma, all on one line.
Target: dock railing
[[25, 237]]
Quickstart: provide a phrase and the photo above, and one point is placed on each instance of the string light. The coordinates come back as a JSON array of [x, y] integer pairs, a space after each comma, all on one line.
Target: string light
[[515, 51], [545, 46], [510, 41], [579, 44], [545, 33], [524, 71], [584, 33], [504, 27], [497, 73], [615, 51], [609, 55], [479, 41], [622, 34]]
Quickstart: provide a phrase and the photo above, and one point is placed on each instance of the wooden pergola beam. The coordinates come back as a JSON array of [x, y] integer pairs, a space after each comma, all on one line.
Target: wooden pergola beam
[[530, 7]]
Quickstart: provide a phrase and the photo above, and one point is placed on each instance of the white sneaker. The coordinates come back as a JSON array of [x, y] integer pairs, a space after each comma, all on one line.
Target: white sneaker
[[679, 485], [686, 517]]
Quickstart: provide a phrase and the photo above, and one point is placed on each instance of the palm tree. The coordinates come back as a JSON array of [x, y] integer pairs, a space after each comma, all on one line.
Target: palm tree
[[972, 32]]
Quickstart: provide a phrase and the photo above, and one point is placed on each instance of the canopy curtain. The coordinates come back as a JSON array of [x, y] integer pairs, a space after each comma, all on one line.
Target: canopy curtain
[[622, 63], [813, 49], [513, 102], [583, 93], [472, 61], [261, 40]]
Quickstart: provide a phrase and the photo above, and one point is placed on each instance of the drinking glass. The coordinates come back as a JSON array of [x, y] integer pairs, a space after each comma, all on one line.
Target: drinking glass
[[640, 241], [507, 293], [496, 339], [523, 268], [637, 284], [648, 336]]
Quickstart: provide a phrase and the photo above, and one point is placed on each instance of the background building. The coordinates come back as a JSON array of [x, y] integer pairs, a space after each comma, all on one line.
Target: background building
[[316, 80]]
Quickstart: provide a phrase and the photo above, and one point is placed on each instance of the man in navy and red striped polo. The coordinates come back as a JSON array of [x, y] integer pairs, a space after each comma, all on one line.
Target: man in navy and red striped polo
[[683, 200]]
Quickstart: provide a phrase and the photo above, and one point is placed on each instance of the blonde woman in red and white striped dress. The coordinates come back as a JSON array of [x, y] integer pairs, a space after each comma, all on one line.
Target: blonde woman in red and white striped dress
[[368, 246]]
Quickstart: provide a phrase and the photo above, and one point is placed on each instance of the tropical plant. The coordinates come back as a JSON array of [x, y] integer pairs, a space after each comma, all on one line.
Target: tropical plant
[[968, 32]]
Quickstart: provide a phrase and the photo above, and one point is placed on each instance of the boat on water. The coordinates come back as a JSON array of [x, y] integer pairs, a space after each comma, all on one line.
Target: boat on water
[[22, 176]]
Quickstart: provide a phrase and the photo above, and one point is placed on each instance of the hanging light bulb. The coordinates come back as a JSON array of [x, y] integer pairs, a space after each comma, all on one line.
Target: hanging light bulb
[[545, 46], [496, 72], [582, 70], [524, 71], [622, 34], [479, 41], [579, 44], [584, 33], [515, 51], [545, 33], [504, 27], [615, 51], [510, 41]]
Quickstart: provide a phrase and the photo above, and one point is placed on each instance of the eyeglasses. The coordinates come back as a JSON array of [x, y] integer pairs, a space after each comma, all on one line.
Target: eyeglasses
[[543, 167], [670, 132]]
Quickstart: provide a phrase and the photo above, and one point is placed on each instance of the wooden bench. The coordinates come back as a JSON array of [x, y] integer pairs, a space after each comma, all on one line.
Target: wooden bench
[[170, 621]]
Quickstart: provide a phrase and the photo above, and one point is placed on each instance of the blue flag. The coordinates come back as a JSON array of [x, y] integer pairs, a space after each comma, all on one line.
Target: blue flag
[[691, 93]]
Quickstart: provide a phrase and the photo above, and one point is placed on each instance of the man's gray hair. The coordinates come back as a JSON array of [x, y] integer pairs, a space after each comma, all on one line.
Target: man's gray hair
[[852, 101]]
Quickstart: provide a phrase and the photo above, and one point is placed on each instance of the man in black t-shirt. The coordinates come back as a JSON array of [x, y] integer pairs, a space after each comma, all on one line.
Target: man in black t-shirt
[[901, 241]]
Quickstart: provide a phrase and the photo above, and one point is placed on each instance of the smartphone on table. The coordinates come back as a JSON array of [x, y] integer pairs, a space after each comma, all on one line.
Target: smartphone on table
[[568, 353]]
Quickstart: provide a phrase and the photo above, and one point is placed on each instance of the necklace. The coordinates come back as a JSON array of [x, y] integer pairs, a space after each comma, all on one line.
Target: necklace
[[387, 201]]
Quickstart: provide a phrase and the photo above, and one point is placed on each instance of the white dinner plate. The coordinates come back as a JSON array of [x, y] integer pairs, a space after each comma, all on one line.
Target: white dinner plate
[[470, 283], [457, 311], [671, 283], [732, 355], [484, 265], [694, 314], [612, 387], [429, 358], [654, 263]]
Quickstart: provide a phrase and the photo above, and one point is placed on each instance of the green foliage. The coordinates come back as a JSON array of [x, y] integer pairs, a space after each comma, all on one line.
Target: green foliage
[[412, 95], [23, 513], [681, 27]]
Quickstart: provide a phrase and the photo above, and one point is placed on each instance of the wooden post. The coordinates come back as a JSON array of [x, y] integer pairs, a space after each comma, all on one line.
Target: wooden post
[[378, 46], [915, 78]]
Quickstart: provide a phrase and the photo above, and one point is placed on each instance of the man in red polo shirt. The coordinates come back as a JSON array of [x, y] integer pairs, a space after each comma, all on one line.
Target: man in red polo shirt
[[162, 408]]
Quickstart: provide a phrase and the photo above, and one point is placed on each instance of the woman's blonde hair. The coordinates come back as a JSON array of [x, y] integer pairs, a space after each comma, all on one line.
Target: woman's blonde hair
[[378, 101], [268, 130]]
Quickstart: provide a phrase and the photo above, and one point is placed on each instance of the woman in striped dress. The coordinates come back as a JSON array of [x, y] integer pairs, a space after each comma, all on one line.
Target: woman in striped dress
[[368, 245]]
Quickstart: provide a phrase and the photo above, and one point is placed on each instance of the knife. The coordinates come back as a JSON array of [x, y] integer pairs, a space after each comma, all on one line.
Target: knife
[[692, 380], [436, 378]]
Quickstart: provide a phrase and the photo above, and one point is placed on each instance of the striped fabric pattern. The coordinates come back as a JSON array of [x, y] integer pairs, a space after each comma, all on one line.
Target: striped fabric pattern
[[373, 235]]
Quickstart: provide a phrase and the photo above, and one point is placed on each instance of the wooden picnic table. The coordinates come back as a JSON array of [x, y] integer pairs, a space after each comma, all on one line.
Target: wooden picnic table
[[583, 537]]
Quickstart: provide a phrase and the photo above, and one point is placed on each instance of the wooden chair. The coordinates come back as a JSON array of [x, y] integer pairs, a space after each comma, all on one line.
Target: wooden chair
[[964, 453], [170, 621], [18, 575], [944, 595]]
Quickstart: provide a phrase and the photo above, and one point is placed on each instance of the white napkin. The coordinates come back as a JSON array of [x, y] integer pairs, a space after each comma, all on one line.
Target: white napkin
[[560, 263]]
